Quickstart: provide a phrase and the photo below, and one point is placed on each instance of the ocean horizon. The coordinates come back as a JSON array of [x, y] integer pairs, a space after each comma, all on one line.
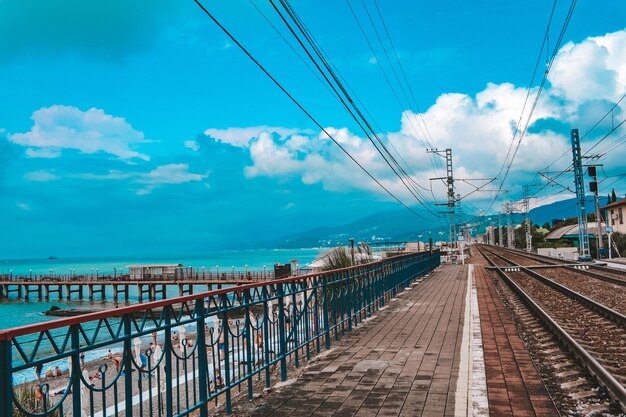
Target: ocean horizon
[[15, 313], [254, 259]]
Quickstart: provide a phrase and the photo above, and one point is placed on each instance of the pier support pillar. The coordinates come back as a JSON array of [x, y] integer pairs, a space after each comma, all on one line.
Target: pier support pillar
[[160, 289]]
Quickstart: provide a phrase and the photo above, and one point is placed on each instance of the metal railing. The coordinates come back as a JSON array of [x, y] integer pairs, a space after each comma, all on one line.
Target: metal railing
[[184, 355]]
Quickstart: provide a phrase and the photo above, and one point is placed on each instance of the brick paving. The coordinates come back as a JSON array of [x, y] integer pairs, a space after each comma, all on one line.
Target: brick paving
[[514, 387], [403, 363]]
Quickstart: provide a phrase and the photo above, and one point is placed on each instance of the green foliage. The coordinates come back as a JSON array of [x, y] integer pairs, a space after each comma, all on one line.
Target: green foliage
[[337, 259], [620, 241], [25, 396]]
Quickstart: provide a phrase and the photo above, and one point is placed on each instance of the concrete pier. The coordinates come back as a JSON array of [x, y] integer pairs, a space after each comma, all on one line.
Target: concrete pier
[[26, 289]]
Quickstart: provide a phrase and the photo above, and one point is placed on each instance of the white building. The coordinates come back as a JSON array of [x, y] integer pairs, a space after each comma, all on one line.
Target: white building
[[615, 213], [158, 271]]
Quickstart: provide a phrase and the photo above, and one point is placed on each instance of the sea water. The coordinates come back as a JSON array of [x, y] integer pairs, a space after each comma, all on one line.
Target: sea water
[[14, 313]]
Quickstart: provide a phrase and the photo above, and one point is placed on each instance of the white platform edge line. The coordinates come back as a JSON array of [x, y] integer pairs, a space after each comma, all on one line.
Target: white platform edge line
[[478, 400]]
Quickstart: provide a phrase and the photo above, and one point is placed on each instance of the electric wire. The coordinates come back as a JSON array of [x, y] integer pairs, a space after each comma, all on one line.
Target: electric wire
[[300, 106]]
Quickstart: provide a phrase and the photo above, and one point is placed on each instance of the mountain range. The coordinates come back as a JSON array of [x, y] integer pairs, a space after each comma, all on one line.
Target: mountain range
[[402, 225]]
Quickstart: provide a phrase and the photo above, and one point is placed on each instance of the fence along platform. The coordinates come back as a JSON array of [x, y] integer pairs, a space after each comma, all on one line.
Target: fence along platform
[[180, 354]]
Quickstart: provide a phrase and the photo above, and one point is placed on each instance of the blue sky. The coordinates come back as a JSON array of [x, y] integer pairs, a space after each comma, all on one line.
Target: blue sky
[[140, 128]]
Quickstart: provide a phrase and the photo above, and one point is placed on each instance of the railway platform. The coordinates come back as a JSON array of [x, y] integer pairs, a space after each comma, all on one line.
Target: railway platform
[[443, 347]]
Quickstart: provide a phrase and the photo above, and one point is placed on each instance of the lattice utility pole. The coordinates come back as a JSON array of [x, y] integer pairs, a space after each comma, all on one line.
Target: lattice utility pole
[[447, 154], [510, 233], [526, 203], [500, 231], [579, 182]]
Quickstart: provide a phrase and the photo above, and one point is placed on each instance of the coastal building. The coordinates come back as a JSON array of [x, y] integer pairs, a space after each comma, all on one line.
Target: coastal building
[[158, 271], [615, 213], [570, 232]]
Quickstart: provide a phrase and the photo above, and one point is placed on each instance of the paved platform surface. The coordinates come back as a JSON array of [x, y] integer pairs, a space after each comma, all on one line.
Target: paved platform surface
[[446, 347], [404, 363], [514, 387]]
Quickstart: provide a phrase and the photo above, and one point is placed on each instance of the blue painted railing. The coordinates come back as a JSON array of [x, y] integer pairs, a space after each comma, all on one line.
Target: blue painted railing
[[185, 355]]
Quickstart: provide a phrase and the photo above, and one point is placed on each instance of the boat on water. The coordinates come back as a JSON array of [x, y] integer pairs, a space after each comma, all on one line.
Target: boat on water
[[52, 257]]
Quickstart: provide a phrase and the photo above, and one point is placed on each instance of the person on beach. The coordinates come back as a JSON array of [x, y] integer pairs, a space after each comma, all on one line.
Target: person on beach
[[38, 370], [117, 360], [49, 373], [38, 394], [57, 371], [221, 346]]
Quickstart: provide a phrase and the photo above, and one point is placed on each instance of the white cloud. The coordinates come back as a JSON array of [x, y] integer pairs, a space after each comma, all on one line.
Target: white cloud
[[58, 128], [50, 153], [592, 69], [148, 181], [41, 176], [478, 128], [241, 136], [191, 144], [24, 206]]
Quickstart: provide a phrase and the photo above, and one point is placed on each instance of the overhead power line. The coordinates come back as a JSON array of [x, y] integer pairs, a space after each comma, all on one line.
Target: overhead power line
[[300, 106], [509, 161], [312, 49]]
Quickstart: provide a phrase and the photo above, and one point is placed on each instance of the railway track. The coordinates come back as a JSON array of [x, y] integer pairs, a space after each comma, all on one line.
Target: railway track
[[524, 258], [594, 333]]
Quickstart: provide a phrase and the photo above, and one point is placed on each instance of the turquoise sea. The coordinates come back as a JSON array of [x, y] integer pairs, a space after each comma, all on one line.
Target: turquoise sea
[[14, 313]]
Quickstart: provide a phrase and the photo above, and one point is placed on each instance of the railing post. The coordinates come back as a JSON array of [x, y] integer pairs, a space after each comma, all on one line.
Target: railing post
[[167, 349], [128, 367], [325, 312], [294, 322], [75, 371], [248, 339], [282, 348], [380, 285], [202, 358], [226, 334], [306, 314], [6, 384], [266, 334], [349, 289]]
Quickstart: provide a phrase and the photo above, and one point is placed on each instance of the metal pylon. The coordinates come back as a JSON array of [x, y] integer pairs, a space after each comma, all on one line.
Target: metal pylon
[[579, 181]]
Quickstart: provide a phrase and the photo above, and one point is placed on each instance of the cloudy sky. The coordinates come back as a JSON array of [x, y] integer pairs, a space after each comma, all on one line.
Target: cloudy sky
[[139, 127]]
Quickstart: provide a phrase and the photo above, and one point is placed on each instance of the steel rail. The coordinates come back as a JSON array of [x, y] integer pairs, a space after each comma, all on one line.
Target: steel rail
[[534, 256], [603, 310], [513, 264], [610, 270], [596, 275], [604, 377]]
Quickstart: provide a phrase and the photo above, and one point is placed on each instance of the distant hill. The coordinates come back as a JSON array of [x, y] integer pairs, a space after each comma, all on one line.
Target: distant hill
[[385, 226], [402, 225], [561, 210]]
